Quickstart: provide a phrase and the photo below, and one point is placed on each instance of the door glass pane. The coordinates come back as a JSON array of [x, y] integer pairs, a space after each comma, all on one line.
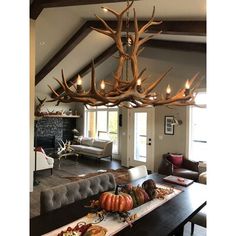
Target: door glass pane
[[91, 124], [113, 129], [140, 136], [114, 138], [103, 135], [102, 121], [113, 115]]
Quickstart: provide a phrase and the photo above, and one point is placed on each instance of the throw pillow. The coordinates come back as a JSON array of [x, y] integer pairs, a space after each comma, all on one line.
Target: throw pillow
[[87, 141], [39, 149], [176, 159]]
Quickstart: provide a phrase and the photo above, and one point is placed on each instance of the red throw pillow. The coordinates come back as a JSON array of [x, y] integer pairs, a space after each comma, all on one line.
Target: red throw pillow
[[39, 149], [176, 159]]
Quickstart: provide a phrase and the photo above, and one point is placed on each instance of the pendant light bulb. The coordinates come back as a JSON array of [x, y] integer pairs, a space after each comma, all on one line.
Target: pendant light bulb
[[102, 85], [104, 9], [79, 80], [187, 85], [168, 89], [139, 82]]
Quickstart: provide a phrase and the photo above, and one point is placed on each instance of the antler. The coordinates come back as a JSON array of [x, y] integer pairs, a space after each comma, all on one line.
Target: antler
[[39, 106], [121, 91]]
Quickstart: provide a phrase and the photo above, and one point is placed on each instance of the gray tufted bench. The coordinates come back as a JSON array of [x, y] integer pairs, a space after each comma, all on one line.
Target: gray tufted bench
[[62, 195]]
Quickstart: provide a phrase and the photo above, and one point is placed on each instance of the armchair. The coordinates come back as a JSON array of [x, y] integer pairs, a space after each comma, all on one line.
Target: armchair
[[178, 165], [42, 160]]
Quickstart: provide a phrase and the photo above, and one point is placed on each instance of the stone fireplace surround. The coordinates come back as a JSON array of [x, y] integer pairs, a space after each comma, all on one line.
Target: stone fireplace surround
[[51, 130]]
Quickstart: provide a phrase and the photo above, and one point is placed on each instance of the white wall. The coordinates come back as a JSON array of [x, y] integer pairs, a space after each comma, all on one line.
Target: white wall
[[51, 106]]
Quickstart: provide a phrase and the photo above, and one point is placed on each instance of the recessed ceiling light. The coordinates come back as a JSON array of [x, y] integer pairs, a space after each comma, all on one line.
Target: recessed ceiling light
[[42, 43], [104, 9]]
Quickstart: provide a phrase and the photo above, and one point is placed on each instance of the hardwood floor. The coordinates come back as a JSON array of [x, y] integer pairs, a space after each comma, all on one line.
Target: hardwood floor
[[198, 230], [79, 165]]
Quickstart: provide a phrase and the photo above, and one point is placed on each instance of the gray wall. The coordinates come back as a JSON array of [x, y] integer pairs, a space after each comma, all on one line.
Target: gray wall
[[185, 65]]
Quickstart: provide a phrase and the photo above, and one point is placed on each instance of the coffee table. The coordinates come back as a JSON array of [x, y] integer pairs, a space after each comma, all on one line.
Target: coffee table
[[73, 153]]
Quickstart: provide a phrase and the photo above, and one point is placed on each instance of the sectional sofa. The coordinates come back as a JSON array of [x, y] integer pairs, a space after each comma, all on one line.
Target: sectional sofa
[[93, 147]]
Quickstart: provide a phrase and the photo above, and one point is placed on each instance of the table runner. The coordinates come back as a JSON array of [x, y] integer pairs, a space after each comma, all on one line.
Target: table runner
[[113, 223]]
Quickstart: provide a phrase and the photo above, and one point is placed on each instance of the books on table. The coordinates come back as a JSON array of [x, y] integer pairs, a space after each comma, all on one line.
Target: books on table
[[178, 180]]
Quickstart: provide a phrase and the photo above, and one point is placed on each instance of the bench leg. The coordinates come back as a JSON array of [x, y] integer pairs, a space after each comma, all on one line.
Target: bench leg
[[192, 228]]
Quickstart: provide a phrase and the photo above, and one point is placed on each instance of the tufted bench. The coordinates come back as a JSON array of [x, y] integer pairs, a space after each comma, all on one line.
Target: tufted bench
[[62, 195]]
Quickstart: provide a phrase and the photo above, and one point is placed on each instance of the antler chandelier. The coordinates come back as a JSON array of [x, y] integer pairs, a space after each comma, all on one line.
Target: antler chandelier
[[128, 92]]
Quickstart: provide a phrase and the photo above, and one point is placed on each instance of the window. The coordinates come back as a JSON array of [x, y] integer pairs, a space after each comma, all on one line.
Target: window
[[102, 123], [140, 136], [198, 130]]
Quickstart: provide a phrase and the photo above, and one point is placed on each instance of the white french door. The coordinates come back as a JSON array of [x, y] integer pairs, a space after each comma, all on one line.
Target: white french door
[[141, 137]]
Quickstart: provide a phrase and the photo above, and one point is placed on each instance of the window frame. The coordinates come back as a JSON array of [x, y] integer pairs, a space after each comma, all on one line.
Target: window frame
[[96, 110], [189, 127]]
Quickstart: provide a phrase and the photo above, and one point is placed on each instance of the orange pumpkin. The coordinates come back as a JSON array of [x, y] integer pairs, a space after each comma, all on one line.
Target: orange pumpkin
[[116, 202]]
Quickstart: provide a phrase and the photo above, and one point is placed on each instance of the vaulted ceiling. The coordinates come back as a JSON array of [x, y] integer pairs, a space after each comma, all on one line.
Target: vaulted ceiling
[[64, 39]]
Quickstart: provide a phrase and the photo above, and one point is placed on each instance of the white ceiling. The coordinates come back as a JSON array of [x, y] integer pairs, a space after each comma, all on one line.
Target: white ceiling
[[55, 26]]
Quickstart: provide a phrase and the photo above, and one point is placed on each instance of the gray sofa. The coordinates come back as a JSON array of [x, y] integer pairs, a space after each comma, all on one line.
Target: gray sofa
[[94, 147], [66, 194]]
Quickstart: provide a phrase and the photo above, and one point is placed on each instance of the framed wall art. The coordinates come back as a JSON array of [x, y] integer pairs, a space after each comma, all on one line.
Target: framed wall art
[[169, 128]]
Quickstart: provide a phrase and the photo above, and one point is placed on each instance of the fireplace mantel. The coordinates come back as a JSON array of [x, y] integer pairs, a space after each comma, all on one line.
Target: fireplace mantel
[[57, 116]]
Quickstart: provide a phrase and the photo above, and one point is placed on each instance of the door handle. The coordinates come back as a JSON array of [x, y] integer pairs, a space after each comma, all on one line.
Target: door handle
[[149, 144]]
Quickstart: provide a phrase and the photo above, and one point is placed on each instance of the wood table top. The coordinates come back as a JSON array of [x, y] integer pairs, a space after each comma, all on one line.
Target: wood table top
[[167, 219]]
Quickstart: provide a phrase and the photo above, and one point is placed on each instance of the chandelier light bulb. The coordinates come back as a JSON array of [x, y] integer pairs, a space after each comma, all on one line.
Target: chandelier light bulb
[[129, 41], [154, 95], [79, 80], [139, 82], [187, 85], [168, 89], [104, 9], [102, 85], [187, 88]]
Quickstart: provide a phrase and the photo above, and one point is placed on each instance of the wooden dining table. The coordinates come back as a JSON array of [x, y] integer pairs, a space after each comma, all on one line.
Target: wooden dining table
[[167, 219]]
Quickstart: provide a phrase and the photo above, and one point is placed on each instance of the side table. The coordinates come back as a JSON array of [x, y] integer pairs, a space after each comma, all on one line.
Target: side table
[[203, 178], [202, 167]]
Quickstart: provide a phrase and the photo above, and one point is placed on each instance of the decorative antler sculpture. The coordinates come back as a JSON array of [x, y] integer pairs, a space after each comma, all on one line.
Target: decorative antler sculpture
[[120, 91], [64, 148], [38, 108]]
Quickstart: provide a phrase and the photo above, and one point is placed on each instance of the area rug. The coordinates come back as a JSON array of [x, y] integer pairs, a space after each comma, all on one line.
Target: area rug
[[121, 175]]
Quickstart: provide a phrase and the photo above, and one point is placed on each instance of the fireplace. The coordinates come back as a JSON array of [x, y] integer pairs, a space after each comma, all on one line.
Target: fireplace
[[46, 142], [51, 130]]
